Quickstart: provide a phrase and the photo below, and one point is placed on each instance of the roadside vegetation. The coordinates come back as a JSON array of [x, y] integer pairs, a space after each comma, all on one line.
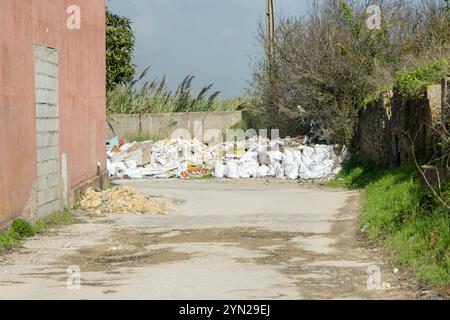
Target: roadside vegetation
[[21, 228], [411, 220], [328, 64], [403, 217], [155, 97]]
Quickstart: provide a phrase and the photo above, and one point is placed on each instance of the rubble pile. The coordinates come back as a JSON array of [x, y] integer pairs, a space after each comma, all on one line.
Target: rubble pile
[[120, 200], [257, 157]]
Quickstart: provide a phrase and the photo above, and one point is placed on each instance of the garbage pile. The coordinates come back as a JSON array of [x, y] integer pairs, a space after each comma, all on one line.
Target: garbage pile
[[257, 157], [120, 200]]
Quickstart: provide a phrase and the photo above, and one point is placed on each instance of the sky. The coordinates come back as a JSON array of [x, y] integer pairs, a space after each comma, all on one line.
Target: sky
[[215, 40]]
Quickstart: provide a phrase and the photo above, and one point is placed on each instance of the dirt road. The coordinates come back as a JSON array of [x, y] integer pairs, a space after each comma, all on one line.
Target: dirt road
[[229, 240]]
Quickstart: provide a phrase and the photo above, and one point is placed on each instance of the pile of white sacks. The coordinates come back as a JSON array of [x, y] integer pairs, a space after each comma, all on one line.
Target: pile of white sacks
[[252, 158]]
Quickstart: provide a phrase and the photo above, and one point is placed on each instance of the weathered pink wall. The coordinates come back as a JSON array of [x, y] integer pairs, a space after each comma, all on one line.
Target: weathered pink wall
[[81, 87]]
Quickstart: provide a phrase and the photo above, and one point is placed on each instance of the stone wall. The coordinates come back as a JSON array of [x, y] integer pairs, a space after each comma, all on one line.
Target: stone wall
[[373, 140], [393, 130], [445, 101]]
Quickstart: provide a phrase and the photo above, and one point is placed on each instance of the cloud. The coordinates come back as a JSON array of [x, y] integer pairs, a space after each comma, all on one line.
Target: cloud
[[214, 40]]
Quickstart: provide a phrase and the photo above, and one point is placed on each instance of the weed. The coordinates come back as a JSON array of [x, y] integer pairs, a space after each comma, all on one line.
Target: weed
[[22, 228], [403, 217], [142, 136]]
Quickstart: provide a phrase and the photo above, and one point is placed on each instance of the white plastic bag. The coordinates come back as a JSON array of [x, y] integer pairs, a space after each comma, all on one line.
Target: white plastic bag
[[219, 170], [291, 171], [232, 170], [279, 171], [263, 171]]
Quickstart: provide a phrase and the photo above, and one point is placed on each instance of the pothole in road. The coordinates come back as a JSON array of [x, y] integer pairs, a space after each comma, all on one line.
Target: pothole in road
[[129, 247]]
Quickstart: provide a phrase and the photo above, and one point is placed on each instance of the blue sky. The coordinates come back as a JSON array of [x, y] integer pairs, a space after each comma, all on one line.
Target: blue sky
[[215, 40]]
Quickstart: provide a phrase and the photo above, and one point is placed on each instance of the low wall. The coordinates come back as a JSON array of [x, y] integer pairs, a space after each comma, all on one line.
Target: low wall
[[412, 131], [373, 140], [162, 125], [392, 131]]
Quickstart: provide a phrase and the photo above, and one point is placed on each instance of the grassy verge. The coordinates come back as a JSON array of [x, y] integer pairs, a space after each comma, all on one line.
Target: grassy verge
[[21, 229], [404, 218]]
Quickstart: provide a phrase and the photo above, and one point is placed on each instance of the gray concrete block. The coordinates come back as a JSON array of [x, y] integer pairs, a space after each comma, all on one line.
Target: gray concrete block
[[48, 181], [48, 195], [47, 139], [47, 153], [46, 111], [49, 209], [47, 125], [49, 167]]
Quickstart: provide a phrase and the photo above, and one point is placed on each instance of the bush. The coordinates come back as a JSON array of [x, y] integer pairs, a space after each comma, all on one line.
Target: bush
[[328, 64], [412, 85], [22, 228], [7, 240]]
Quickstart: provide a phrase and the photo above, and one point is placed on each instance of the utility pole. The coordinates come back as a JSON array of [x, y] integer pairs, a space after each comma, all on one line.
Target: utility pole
[[271, 106], [271, 32]]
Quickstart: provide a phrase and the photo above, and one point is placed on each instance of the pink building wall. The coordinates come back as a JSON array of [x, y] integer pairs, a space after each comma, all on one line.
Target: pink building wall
[[81, 94]]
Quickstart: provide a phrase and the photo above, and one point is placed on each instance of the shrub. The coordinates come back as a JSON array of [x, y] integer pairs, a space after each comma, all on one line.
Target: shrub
[[412, 85], [22, 228]]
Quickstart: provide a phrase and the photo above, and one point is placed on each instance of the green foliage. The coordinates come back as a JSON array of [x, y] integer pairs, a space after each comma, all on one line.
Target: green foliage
[[22, 228], [144, 136], [7, 240], [412, 85], [355, 175], [405, 218], [63, 218], [120, 41], [347, 12], [155, 97], [329, 62]]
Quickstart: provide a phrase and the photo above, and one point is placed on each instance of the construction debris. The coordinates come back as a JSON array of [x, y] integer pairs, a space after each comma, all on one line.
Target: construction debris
[[257, 157], [121, 200]]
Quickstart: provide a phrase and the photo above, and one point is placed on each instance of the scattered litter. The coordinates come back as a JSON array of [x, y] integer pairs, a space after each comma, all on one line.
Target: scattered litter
[[120, 200], [256, 157], [114, 142], [365, 227], [396, 271], [385, 285]]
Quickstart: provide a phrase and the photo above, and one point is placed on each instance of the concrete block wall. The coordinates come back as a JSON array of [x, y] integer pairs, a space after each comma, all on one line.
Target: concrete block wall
[[162, 125], [49, 198]]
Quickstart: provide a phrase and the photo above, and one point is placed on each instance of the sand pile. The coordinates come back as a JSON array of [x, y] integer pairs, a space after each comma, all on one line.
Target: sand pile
[[121, 200]]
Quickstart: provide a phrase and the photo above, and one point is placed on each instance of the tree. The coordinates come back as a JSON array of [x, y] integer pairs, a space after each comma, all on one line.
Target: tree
[[329, 64], [120, 41]]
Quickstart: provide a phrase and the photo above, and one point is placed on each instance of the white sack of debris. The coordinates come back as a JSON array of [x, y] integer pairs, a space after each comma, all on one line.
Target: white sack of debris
[[256, 157]]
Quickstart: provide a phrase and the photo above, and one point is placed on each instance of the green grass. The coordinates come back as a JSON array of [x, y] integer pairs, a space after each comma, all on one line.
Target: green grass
[[404, 218], [142, 136], [355, 175], [21, 229]]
